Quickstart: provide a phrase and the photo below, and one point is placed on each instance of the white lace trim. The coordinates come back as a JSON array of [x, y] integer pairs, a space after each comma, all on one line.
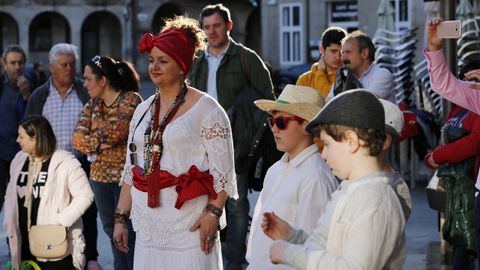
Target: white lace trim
[[216, 131], [221, 182], [127, 175]]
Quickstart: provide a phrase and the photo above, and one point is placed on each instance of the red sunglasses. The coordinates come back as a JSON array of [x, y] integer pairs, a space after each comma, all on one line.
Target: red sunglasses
[[282, 121]]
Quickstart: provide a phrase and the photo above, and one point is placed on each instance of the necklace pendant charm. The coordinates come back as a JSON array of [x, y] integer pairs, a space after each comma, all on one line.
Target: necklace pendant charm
[[132, 147], [156, 148], [133, 158]]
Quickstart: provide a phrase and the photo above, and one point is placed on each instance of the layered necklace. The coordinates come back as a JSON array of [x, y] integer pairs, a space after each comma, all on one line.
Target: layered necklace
[[153, 142]]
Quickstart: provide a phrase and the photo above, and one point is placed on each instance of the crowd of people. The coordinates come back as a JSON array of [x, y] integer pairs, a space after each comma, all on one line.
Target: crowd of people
[[168, 173]]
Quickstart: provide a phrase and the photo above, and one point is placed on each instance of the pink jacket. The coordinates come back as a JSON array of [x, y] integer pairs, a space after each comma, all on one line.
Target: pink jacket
[[448, 86], [66, 196]]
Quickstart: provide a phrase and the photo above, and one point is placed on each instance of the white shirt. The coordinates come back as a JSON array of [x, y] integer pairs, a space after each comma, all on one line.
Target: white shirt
[[213, 64], [362, 228], [377, 80], [298, 192]]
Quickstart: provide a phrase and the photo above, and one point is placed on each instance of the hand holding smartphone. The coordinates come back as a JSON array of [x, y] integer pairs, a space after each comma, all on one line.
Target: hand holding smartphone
[[449, 29]]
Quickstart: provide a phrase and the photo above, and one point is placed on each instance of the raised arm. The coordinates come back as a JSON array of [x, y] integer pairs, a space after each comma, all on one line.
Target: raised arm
[[442, 80]]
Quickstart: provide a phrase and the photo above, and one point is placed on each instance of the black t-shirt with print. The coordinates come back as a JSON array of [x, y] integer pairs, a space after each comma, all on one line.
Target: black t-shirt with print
[[37, 191]]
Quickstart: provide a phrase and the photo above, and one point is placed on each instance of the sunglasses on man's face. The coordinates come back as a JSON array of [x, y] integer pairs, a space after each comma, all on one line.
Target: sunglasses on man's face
[[282, 121]]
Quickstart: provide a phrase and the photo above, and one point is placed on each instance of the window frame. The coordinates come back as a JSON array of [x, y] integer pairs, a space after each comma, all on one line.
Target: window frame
[[399, 25], [292, 30]]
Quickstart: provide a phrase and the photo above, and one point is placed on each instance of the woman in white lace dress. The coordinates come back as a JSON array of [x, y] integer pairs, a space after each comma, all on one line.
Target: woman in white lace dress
[[179, 169]]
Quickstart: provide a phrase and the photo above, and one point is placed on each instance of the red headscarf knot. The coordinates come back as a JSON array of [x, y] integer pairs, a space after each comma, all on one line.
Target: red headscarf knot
[[174, 42], [146, 43]]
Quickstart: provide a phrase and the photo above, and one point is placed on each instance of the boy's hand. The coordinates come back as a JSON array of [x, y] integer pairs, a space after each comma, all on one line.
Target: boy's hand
[[277, 250], [275, 227], [435, 42]]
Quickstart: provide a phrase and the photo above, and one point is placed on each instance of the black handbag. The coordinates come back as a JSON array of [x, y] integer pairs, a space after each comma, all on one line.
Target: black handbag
[[459, 226]]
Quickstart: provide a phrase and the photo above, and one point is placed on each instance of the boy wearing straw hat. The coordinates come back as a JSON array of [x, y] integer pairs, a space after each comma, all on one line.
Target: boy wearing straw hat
[[298, 186]]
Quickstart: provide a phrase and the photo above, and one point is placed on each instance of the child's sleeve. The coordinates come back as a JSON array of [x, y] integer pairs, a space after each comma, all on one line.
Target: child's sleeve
[[369, 242], [297, 236]]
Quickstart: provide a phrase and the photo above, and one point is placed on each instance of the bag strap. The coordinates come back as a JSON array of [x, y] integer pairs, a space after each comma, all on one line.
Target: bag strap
[[33, 173], [245, 70], [31, 263], [243, 63]]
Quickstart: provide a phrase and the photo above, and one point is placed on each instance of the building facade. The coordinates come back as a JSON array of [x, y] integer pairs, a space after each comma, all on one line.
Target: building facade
[[106, 27], [292, 28]]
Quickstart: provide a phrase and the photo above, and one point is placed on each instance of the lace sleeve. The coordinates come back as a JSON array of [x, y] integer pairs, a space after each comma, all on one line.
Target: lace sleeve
[[217, 138]]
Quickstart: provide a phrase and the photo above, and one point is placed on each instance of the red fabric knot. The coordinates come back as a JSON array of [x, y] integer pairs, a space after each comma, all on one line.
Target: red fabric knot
[[174, 42], [146, 43], [193, 184], [190, 185]]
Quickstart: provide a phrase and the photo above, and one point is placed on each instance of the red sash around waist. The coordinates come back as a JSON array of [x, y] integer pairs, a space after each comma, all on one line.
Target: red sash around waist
[[189, 185]]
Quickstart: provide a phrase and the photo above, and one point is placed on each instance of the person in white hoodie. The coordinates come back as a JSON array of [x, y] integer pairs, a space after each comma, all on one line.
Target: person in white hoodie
[[53, 183]]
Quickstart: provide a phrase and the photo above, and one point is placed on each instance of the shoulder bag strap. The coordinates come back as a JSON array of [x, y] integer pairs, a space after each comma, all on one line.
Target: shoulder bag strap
[[243, 62]]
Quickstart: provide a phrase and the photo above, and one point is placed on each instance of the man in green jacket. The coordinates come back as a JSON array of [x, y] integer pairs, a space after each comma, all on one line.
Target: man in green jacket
[[220, 71]]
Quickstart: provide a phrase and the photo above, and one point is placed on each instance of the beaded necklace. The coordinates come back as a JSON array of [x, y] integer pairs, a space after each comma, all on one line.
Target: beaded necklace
[[153, 144]]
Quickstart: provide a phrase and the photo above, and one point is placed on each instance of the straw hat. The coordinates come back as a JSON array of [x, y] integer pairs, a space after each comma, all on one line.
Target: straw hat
[[302, 101]]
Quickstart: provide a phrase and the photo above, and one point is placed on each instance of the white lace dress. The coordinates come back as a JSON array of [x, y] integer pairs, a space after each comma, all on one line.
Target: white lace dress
[[201, 137]]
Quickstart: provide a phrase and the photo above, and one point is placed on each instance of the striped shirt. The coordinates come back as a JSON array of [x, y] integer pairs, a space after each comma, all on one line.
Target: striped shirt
[[63, 114]]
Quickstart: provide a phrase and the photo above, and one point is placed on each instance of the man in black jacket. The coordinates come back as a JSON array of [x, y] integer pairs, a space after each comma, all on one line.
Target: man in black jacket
[[224, 70]]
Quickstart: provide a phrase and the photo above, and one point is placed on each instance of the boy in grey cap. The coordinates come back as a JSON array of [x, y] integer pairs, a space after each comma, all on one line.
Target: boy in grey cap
[[363, 225]]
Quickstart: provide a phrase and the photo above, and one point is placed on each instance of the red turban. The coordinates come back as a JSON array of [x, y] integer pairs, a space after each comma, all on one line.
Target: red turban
[[174, 42]]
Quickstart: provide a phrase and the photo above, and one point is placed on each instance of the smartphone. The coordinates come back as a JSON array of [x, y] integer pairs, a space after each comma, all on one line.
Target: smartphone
[[449, 29]]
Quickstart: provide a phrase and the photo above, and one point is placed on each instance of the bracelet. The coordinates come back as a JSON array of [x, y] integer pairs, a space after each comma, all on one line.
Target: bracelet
[[122, 212], [121, 216], [213, 210]]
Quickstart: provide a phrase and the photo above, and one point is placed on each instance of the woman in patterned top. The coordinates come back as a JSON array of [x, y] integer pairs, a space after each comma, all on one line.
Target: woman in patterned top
[[102, 132], [179, 168]]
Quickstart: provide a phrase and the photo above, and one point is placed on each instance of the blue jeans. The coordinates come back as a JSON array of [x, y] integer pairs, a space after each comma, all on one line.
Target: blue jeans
[[106, 199], [237, 224]]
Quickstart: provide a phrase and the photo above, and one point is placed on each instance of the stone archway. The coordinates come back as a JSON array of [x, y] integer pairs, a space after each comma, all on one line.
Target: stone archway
[[8, 30], [46, 30], [101, 35], [165, 11]]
